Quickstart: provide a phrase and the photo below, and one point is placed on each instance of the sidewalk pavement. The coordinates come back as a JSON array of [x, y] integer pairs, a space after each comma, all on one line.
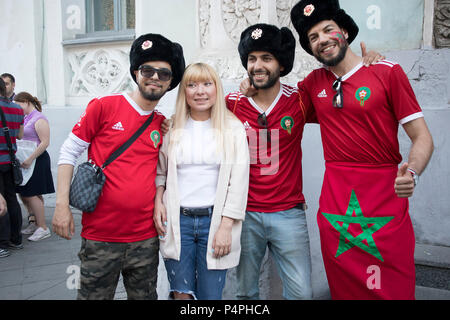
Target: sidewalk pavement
[[46, 270]]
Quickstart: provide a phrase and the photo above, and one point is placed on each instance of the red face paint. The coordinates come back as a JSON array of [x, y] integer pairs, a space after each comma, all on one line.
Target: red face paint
[[338, 36]]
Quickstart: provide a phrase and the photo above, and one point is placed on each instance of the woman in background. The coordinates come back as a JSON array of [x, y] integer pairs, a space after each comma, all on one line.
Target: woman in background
[[36, 129]]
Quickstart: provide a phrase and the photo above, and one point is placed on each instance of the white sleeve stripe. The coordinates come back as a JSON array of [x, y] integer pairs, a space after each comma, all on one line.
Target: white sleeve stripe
[[412, 117], [389, 61], [386, 64], [72, 149]]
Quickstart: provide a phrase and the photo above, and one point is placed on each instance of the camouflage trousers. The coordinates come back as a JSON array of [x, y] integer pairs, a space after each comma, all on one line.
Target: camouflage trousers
[[102, 263]]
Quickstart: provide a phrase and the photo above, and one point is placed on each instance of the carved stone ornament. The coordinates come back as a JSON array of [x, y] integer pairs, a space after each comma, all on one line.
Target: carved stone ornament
[[442, 23], [228, 66], [99, 72], [303, 65], [284, 8], [204, 17], [237, 15]]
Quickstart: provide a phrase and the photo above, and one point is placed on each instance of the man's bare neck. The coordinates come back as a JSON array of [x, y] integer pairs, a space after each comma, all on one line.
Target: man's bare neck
[[143, 103], [350, 61], [265, 97]]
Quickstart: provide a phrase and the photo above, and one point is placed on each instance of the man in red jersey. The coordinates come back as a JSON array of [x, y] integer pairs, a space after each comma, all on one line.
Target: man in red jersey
[[274, 119], [367, 238], [119, 235]]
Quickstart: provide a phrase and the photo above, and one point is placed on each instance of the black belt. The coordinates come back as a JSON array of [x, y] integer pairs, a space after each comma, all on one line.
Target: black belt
[[196, 211], [301, 206]]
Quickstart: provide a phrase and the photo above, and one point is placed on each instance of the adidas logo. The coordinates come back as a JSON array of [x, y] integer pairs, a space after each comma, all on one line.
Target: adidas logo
[[323, 94], [247, 125], [118, 126]]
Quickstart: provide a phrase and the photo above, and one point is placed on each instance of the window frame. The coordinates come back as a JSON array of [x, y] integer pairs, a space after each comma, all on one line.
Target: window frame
[[117, 34], [90, 20]]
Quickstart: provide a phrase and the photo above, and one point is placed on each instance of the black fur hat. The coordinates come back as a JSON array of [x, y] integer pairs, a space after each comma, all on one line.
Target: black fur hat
[[266, 37], [307, 13], [154, 47]]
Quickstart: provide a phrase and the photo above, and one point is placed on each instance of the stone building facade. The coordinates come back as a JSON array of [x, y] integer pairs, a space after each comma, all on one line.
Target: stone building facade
[[68, 51]]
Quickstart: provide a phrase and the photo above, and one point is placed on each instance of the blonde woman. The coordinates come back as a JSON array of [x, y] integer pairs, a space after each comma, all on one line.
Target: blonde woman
[[202, 186]]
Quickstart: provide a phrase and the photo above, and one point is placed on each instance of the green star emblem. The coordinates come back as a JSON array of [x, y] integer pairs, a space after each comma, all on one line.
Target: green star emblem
[[368, 225]]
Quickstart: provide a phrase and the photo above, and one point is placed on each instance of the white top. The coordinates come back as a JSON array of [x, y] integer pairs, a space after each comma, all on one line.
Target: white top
[[230, 198], [198, 165]]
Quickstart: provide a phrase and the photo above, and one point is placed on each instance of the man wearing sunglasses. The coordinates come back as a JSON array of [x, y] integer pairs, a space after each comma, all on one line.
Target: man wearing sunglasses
[[119, 236], [274, 119], [363, 217]]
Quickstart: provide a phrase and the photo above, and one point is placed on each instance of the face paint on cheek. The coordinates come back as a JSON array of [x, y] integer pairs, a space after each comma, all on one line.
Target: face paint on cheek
[[338, 36]]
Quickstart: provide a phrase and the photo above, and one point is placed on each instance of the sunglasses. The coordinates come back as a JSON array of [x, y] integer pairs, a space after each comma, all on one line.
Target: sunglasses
[[338, 99], [262, 121], [148, 72]]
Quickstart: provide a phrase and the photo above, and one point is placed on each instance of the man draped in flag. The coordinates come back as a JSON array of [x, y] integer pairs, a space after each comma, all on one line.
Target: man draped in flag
[[367, 237]]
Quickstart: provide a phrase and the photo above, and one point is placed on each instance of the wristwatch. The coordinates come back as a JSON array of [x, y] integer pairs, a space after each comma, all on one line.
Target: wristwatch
[[414, 175]]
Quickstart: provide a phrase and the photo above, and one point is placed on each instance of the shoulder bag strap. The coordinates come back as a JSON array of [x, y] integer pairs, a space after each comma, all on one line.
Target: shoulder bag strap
[[129, 142]]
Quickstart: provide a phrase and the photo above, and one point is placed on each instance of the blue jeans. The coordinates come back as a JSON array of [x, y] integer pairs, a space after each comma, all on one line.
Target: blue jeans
[[286, 235], [190, 275]]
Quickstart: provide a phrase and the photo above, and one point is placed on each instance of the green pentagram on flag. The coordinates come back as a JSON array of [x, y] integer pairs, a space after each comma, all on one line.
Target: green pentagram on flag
[[368, 225]]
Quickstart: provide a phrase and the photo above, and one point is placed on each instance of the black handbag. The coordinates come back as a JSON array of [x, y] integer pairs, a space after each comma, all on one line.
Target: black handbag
[[16, 170], [89, 179]]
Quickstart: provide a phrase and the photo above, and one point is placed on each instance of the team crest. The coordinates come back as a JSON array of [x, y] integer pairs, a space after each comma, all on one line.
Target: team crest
[[156, 137], [287, 123], [147, 45], [362, 95], [308, 10], [256, 34]]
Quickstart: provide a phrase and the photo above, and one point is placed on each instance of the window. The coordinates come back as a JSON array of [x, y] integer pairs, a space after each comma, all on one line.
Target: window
[[105, 17]]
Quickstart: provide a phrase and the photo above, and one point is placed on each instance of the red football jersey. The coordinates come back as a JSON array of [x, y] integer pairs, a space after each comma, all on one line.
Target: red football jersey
[[362, 222], [376, 99], [275, 162], [124, 212]]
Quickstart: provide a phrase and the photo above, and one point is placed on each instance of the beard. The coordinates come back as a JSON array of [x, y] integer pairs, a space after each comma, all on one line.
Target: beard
[[332, 62], [152, 94], [273, 79]]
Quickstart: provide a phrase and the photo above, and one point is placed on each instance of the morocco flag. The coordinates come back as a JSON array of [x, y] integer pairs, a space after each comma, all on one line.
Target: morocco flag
[[366, 234]]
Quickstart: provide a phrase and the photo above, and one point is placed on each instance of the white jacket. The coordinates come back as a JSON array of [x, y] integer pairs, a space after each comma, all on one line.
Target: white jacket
[[230, 201]]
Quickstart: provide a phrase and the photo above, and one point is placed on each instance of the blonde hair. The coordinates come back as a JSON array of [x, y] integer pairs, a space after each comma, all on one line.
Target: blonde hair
[[220, 115]]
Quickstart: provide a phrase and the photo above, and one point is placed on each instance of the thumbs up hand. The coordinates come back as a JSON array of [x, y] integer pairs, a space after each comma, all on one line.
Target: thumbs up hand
[[404, 183]]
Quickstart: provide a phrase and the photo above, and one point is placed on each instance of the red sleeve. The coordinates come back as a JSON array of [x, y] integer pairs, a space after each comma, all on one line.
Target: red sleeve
[[401, 95], [231, 101], [90, 121], [22, 114], [310, 112], [228, 102]]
